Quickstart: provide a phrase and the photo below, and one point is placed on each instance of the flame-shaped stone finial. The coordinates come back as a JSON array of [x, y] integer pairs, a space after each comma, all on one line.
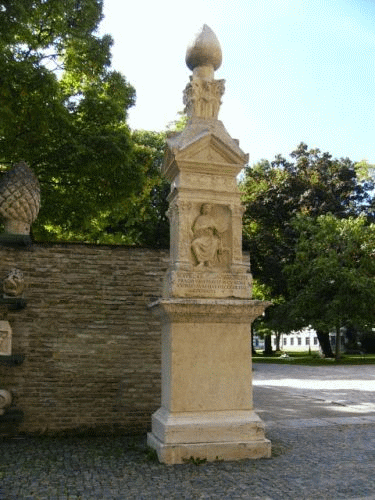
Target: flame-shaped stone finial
[[203, 55]]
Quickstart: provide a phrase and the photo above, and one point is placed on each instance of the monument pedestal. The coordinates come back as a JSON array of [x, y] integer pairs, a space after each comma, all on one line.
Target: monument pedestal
[[206, 409]]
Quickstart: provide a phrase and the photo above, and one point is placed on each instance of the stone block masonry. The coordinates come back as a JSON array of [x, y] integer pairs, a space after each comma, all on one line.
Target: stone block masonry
[[91, 345]]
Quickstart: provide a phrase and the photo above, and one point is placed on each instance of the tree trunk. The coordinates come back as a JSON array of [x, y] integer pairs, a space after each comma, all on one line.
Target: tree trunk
[[267, 345], [278, 336], [253, 351], [325, 344], [352, 338], [338, 344]]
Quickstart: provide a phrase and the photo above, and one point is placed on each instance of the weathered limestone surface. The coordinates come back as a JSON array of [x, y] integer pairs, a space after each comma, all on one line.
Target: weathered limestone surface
[[206, 309]]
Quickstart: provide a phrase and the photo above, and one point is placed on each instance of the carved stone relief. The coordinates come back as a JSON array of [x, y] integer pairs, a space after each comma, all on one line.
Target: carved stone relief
[[5, 338], [179, 216], [5, 400], [202, 98], [14, 283], [210, 237]]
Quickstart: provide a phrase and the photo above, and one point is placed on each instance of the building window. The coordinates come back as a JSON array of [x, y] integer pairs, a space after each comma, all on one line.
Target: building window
[[315, 340], [299, 340], [284, 340], [291, 341], [307, 341]]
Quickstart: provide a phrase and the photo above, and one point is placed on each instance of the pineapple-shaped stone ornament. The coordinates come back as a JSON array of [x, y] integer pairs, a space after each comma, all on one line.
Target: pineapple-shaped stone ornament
[[19, 199]]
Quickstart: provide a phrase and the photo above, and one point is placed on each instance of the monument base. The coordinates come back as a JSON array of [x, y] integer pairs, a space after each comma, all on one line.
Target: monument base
[[206, 398], [222, 435]]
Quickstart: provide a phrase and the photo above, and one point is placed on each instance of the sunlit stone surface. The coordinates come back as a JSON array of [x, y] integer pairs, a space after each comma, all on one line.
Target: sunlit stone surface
[[206, 308]]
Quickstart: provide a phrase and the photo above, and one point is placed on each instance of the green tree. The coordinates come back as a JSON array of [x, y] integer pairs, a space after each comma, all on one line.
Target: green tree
[[63, 110], [332, 279], [141, 218], [313, 183]]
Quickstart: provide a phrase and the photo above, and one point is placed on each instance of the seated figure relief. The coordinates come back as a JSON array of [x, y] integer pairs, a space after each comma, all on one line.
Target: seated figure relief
[[206, 242]]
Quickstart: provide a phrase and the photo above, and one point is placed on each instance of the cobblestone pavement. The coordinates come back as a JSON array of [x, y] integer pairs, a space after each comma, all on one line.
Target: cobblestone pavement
[[321, 450]]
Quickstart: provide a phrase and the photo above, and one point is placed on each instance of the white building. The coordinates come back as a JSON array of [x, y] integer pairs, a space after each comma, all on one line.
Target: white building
[[300, 341]]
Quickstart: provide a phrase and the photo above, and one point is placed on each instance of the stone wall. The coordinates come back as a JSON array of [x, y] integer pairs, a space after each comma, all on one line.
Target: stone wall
[[91, 346]]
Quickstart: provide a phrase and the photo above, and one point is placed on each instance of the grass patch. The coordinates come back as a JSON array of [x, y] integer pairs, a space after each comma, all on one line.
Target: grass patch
[[278, 449], [151, 455], [316, 360], [195, 460]]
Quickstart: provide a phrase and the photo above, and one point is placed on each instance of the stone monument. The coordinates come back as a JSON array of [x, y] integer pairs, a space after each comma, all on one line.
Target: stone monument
[[206, 308]]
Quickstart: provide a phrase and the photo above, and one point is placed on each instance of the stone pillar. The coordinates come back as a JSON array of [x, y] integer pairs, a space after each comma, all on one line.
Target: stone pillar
[[206, 309]]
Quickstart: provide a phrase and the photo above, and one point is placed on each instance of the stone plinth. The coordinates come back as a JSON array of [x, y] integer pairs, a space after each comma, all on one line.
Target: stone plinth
[[206, 409]]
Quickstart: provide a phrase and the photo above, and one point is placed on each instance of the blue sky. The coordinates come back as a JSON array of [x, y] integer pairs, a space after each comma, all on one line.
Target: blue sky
[[295, 70]]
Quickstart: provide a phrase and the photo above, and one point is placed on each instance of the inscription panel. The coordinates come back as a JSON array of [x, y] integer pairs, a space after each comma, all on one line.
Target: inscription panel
[[198, 284]]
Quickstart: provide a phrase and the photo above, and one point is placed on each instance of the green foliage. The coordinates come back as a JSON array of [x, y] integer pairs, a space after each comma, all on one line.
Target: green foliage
[[140, 219], [275, 193], [196, 460], [315, 360], [365, 170], [179, 124], [151, 455], [332, 279], [63, 110]]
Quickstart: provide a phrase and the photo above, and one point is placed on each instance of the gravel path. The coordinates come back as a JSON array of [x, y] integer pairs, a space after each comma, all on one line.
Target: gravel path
[[319, 452]]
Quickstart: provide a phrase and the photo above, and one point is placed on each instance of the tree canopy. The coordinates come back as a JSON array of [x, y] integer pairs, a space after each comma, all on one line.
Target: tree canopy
[[332, 278], [139, 219], [275, 192], [63, 110], [312, 184]]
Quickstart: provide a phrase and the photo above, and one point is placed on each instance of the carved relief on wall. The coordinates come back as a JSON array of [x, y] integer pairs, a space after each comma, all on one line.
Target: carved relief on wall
[[5, 338], [14, 283], [5, 400], [210, 237]]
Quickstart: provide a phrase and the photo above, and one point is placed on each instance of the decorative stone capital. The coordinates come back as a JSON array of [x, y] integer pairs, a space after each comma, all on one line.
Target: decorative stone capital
[[202, 98]]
